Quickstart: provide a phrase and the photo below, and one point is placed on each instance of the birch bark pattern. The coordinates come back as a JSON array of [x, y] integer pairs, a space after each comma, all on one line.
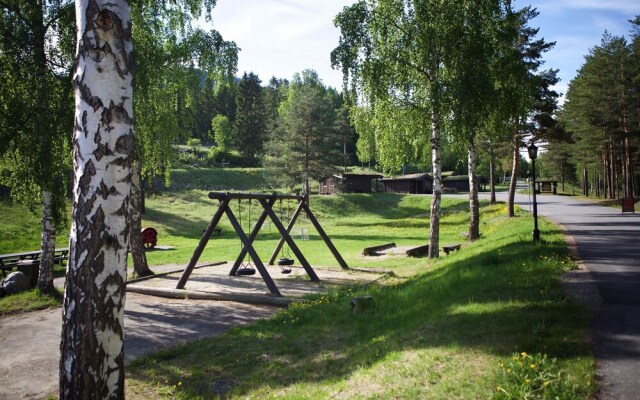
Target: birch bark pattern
[[514, 172], [474, 220], [47, 245], [434, 220], [92, 353]]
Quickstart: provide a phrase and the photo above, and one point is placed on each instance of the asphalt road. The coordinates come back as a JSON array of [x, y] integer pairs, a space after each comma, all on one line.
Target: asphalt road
[[608, 243]]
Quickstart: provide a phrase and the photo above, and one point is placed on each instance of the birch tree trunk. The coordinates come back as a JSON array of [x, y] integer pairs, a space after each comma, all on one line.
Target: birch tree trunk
[[474, 209], [92, 353], [48, 246], [514, 172], [434, 220], [48, 235], [140, 265], [492, 177]]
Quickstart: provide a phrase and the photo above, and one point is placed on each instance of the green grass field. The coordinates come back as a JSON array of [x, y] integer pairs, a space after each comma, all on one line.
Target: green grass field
[[488, 321], [440, 329]]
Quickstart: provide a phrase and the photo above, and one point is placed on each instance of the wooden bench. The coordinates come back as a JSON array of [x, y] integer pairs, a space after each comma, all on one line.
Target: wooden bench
[[449, 248], [418, 251], [373, 250]]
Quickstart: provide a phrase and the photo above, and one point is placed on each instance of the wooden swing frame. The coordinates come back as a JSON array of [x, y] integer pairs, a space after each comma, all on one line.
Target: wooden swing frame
[[267, 201]]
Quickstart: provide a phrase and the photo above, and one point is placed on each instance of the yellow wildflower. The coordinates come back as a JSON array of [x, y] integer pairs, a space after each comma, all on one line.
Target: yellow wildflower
[[533, 366], [523, 354]]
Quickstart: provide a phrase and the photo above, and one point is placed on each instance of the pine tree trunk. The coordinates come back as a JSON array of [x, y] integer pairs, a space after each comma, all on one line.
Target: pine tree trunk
[[136, 246], [48, 247], [434, 220], [514, 172], [92, 351], [474, 209]]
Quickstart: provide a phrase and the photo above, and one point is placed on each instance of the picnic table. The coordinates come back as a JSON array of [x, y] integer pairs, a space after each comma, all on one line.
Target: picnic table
[[10, 261]]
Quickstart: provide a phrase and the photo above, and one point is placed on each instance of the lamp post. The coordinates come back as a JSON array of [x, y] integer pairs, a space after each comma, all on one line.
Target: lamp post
[[533, 154]]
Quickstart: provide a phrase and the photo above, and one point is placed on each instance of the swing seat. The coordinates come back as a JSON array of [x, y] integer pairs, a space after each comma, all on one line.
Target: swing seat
[[285, 261], [246, 271]]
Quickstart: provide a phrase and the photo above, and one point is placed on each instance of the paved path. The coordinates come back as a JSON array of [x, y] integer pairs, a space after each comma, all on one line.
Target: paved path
[[608, 243], [29, 362]]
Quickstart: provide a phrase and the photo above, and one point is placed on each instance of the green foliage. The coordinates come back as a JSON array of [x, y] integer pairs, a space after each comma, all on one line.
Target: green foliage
[[221, 129], [35, 101], [175, 69], [600, 117], [194, 144], [537, 376], [306, 145], [249, 128]]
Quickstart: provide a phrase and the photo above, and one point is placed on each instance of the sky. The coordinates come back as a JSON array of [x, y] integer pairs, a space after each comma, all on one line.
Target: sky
[[281, 37]]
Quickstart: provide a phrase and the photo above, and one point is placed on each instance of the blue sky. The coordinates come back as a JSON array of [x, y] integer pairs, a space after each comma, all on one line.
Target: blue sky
[[281, 37]]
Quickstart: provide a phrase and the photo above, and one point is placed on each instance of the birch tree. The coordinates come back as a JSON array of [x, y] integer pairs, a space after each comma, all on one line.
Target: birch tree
[[403, 57], [92, 356], [35, 113]]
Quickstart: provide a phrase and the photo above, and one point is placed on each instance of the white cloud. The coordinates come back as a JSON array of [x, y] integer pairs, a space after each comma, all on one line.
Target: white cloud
[[556, 7]]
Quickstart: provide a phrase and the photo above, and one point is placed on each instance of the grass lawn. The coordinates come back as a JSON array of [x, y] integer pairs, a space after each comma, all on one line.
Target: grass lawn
[[464, 326], [490, 320]]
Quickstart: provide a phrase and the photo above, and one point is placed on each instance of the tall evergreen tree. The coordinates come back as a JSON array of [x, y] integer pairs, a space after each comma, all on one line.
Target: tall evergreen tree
[[249, 128], [306, 144]]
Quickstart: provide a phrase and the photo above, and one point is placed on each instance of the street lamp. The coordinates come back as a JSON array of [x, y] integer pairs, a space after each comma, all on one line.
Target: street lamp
[[533, 154]]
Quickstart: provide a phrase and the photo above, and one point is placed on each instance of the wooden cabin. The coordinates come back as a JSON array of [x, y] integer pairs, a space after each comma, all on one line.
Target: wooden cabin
[[349, 183], [460, 183], [409, 184]]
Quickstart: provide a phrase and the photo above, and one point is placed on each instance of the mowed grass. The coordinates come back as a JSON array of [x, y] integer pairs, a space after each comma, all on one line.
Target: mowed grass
[[439, 329]]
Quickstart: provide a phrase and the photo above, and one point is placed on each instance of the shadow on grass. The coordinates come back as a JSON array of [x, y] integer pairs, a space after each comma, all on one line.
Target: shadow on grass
[[487, 303]]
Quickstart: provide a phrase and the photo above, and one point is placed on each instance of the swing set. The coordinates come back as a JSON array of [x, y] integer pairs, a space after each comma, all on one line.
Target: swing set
[[242, 267]]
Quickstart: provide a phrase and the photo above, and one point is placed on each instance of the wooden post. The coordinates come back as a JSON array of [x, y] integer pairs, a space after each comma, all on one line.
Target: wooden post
[[292, 222], [324, 236], [290, 242], [203, 243]]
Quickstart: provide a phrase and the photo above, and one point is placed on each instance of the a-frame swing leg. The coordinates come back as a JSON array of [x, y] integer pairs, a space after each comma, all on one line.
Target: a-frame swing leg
[[252, 253], [292, 222], [202, 244], [290, 242], [324, 236], [252, 237]]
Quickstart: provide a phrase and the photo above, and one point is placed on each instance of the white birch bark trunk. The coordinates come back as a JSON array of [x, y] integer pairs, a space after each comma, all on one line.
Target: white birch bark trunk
[[514, 172], [434, 220], [47, 245], [474, 209], [92, 356]]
